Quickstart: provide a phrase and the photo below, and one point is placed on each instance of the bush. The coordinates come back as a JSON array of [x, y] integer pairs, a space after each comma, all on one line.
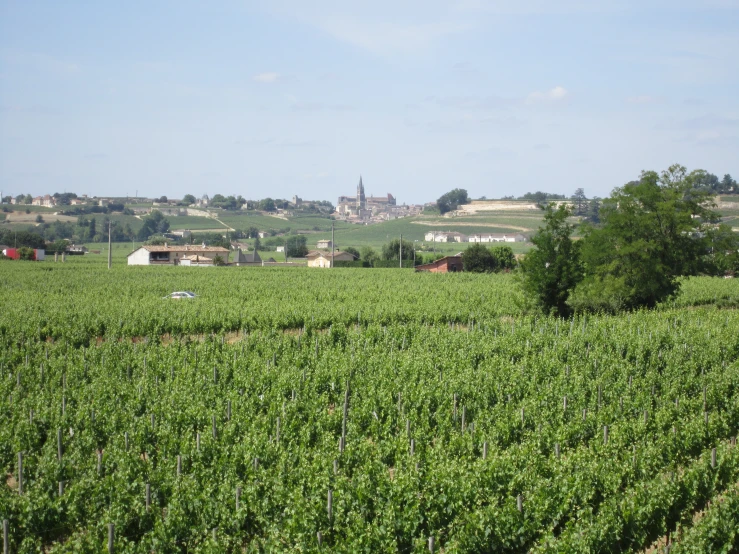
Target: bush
[[608, 294], [27, 253], [478, 259], [355, 263], [392, 264]]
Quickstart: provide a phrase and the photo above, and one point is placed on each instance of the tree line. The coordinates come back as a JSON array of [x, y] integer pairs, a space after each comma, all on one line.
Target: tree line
[[649, 233]]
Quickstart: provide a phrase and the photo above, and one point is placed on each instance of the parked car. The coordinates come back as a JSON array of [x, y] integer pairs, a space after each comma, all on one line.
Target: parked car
[[181, 294]]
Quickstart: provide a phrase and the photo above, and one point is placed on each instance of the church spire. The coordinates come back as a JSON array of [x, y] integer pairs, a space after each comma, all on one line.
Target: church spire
[[360, 195]]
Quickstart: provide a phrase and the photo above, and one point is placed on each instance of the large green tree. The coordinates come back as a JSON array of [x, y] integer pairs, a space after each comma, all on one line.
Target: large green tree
[[368, 254], [552, 269], [391, 250], [478, 259], [296, 246], [652, 231]]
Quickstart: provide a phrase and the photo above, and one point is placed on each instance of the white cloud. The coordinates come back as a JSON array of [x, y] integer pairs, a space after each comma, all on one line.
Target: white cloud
[[554, 95], [266, 77]]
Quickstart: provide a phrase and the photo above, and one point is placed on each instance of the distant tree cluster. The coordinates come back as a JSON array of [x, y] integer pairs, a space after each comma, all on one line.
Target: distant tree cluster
[[452, 200], [17, 239], [709, 182], [650, 233], [154, 224], [541, 197], [227, 202]]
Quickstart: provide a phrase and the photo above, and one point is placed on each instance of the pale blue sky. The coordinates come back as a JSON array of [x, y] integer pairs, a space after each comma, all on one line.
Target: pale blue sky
[[282, 97]]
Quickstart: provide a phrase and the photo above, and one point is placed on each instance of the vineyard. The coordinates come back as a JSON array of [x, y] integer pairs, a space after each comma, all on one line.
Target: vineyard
[[359, 411]]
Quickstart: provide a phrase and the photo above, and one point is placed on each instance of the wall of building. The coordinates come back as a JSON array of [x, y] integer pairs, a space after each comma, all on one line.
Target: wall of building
[[139, 257]]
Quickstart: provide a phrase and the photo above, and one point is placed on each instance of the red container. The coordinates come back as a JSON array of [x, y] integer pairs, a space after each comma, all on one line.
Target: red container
[[12, 253]]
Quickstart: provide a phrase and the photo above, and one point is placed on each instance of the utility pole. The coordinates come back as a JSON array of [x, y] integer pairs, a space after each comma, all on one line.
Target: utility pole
[[401, 251], [110, 252], [332, 245]]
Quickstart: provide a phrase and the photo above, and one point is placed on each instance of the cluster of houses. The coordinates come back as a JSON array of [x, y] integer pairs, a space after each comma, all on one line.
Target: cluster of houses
[[364, 209], [453, 236]]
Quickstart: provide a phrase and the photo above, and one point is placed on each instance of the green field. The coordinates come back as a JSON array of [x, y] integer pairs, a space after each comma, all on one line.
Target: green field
[[462, 418]]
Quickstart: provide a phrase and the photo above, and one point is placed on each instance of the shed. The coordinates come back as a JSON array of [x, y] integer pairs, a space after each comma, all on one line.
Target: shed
[[447, 264]]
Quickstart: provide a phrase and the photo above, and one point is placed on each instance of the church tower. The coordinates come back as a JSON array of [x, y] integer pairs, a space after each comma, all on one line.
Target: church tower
[[361, 202]]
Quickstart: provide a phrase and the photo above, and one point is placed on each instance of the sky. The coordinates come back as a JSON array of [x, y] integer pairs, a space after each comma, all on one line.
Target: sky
[[281, 97]]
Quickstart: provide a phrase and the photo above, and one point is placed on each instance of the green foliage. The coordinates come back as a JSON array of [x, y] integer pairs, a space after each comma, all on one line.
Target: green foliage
[[652, 232], [716, 530], [452, 200], [154, 223], [354, 252], [425, 357], [21, 238], [26, 253], [478, 259], [392, 250], [593, 211], [355, 263], [553, 268], [218, 260], [505, 259], [481, 259], [393, 264], [579, 201], [267, 205], [368, 254], [188, 199], [542, 197], [296, 246], [57, 247], [722, 257]]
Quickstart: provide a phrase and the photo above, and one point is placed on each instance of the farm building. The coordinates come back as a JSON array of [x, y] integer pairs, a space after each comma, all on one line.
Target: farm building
[[448, 264], [246, 258], [497, 237], [323, 259], [325, 244], [173, 255], [445, 236]]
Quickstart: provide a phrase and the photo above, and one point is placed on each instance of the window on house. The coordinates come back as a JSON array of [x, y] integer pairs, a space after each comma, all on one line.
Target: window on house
[[159, 256]]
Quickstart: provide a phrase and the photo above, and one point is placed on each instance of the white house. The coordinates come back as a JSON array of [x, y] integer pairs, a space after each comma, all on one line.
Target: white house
[[325, 243], [445, 236], [176, 255], [496, 237], [323, 259]]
